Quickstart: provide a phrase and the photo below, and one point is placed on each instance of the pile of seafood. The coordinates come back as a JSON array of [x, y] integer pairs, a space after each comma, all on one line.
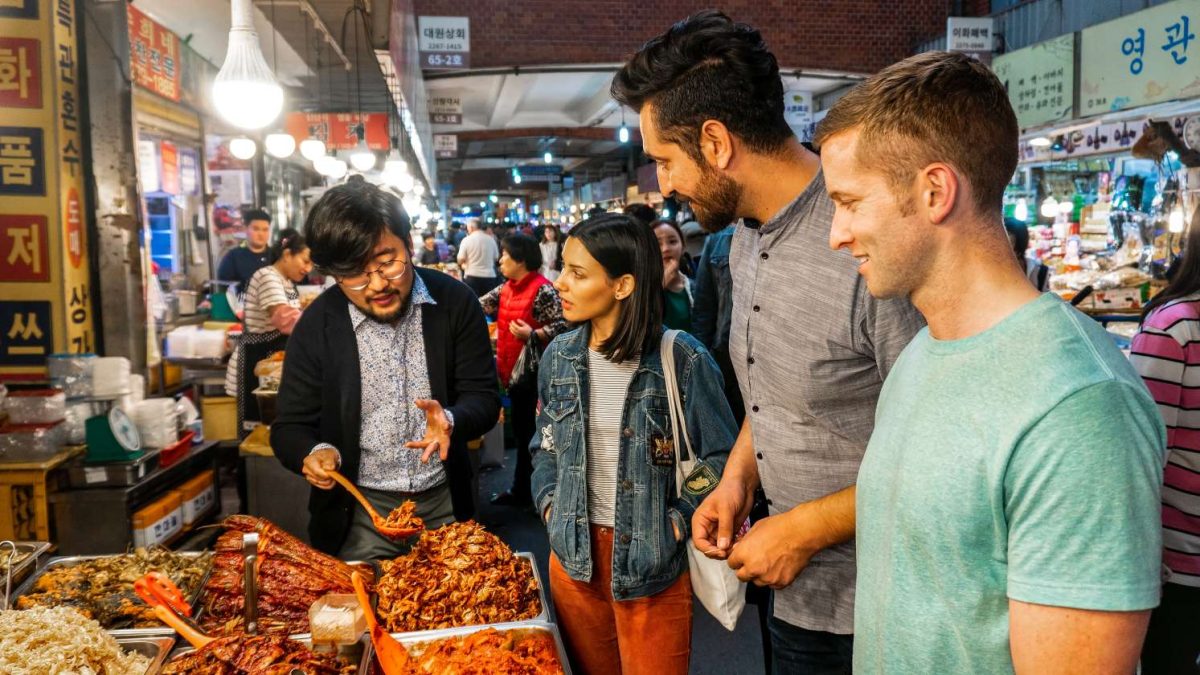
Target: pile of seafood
[[61, 640], [457, 575], [489, 651], [256, 654], [291, 577], [102, 588]]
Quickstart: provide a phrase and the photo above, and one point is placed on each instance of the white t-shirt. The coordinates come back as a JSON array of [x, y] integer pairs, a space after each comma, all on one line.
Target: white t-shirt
[[267, 288], [480, 253], [607, 388]]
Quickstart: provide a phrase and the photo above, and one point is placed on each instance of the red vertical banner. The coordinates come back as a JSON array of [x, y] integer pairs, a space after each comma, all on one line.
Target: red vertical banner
[[154, 55], [170, 167]]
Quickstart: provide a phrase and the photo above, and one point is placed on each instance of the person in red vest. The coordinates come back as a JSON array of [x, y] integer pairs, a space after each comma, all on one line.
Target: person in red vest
[[526, 308]]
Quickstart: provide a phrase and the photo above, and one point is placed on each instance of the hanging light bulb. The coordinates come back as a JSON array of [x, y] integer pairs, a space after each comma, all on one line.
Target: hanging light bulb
[[280, 145], [1021, 212], [324, 164], [338, 169], [418, 189], [405, 182], [623, 133], [244, 93], [1049, 208], [1066, 206], [363, 158], [394, 165], [1175, 220], [243, 148], [548, 157], [312, 148], [493, 198]]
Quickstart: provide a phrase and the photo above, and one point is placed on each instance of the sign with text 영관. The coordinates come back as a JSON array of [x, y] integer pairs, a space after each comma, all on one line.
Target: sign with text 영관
[[45, 296], [1040, 81], [337, 129], [1146, 57], [444, 42]]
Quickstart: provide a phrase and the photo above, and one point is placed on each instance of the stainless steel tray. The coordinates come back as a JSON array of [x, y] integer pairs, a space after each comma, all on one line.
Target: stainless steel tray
[[20, 571], [113, 474], [162, 631], [411, 640], [359, 651], [154, 648], [542, 617]]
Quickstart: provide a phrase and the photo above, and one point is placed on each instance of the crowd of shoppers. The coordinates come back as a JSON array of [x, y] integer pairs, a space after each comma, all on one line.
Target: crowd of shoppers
[[864, 339]]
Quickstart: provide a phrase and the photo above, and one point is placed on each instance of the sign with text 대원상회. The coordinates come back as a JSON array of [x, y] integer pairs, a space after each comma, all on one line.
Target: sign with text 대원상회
[[444, 42], [1146, 57], [1040, 80]]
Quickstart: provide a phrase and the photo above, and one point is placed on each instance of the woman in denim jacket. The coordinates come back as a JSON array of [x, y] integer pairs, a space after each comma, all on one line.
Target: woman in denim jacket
[[604, 456]]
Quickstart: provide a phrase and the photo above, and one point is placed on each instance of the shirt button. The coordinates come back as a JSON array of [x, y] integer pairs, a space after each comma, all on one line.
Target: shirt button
[[628, 433], [757, 308], [627, 485], [765, 256], [625, 539], [754, 408], [750, 360], [769, 502], [758, 455]]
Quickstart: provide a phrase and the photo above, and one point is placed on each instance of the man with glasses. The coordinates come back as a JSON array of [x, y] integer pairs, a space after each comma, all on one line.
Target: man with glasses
[[388, 374]]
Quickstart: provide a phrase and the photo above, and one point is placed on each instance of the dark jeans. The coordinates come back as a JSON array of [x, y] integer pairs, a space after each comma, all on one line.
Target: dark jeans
[[799, 651], [523, 401], [481, 285], [1173, 640]]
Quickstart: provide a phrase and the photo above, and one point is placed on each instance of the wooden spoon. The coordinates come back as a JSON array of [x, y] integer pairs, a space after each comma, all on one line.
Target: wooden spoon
[[394, 533]]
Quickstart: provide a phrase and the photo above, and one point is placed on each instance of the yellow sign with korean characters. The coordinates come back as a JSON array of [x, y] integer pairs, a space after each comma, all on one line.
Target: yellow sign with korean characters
[[45, 291]]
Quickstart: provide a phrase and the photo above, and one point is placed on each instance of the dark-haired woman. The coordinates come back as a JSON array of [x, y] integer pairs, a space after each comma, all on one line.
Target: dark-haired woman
[[526, 310], [1166, 352], [551, 247], [677, 286], [272, 308], [604, 456]]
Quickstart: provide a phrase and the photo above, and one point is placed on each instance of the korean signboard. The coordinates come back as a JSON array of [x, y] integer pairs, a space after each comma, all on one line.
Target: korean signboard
[[445, 109], [1040, 81], [45, 298], [798, 111], [1142, 58], [154, 56], [969, 34], [445, 146], [337, 130], [444, 42]]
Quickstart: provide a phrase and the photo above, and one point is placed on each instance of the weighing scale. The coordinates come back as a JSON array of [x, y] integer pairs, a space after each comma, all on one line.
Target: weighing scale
[[112, 438]]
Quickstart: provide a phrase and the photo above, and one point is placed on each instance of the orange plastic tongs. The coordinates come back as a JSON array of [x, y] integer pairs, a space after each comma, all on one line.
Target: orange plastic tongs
[[158, 591]]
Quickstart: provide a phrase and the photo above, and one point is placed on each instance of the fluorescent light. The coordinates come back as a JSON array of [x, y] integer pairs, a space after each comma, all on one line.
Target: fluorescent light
[[1040, 142]]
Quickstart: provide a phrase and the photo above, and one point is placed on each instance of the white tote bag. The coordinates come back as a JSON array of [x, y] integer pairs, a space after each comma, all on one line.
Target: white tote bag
[[717, 586]]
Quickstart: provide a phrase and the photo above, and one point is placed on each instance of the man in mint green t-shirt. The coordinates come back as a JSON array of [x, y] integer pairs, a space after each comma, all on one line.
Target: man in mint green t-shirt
[[1008, 504]]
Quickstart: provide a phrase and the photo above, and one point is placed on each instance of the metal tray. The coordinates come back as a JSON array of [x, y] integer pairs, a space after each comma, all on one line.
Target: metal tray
[[161, 631], [542, 617], [121, 474], [21, 571], [410, 640], [154, 648], [359, 651]]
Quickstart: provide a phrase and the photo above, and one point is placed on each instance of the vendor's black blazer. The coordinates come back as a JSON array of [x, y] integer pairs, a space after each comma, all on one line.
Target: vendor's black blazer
[[320, 397]]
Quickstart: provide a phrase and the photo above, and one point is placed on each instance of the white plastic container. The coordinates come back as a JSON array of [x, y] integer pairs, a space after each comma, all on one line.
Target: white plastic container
[[36, 406], [156, 421], [110, 377], [179, 342]]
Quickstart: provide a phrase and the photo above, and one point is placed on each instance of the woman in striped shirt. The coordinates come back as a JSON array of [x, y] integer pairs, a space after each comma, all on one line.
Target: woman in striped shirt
[[1166, 352]]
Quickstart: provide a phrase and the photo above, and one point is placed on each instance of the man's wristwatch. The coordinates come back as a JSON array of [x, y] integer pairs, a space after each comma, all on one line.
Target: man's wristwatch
[[449, 418]]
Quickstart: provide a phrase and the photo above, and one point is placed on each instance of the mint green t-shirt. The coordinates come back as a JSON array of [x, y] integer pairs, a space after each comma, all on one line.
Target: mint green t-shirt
[[1021, 463]]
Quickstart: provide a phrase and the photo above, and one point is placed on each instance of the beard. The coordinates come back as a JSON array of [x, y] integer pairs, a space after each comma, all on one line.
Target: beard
[[716, 200], [391, 314]]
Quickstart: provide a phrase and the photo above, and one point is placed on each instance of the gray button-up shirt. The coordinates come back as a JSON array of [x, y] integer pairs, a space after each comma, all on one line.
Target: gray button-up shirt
[[810, 347], [391, 358]]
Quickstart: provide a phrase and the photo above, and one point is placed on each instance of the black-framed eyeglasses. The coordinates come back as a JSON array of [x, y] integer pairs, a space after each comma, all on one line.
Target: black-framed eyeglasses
[[389, 270]]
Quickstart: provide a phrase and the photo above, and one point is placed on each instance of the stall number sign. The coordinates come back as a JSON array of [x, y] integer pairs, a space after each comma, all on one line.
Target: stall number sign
[[444, 41], [445, 146], [968, 34], [445, 109], [1143, 58]]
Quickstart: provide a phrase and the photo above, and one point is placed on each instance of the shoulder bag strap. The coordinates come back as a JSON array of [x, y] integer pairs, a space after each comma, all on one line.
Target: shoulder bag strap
[[683, 444]]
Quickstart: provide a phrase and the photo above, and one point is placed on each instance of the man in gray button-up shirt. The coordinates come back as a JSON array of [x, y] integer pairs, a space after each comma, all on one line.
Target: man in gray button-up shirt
[[809, 344]]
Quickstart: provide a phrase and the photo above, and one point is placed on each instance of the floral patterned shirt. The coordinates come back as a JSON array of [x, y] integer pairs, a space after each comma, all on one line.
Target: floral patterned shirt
[[391, 359]]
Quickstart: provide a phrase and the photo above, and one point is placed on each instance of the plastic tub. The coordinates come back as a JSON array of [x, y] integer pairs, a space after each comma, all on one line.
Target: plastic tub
[[36, 406]]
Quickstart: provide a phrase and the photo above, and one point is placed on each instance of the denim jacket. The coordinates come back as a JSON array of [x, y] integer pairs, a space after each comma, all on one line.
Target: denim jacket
[[647, 557], [712, 309]]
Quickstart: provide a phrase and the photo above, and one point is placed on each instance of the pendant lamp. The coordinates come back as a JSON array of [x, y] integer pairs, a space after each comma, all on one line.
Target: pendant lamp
[[245, 94]]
